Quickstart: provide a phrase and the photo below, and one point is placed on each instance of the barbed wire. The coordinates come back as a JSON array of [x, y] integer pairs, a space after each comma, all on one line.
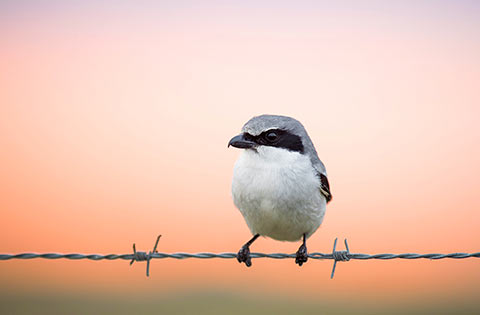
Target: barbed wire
[[154, 254]]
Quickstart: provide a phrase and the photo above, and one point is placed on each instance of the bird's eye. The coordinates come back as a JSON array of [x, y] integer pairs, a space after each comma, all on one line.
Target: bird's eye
[[271, 136]]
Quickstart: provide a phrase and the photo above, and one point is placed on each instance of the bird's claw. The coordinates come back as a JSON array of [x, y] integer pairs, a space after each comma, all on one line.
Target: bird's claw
[[243, 255], [302, 255]]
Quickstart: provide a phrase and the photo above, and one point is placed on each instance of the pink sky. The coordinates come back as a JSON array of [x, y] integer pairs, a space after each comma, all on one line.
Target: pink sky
[[114, 120]]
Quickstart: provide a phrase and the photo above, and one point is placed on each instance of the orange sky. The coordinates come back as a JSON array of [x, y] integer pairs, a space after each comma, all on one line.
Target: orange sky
[[114, 122]]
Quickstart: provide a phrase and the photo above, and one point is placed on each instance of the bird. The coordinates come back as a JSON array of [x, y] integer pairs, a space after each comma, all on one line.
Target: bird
[[279, 184]]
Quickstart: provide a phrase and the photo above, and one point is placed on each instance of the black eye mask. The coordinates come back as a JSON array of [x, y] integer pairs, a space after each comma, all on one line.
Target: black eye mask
[[278, 138]]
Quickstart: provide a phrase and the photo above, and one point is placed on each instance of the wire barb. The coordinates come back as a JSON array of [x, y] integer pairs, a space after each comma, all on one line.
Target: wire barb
[[339, 255], [142, 256]]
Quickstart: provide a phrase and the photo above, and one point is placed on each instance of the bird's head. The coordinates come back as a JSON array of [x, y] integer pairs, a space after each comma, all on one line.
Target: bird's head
[[273, 131]]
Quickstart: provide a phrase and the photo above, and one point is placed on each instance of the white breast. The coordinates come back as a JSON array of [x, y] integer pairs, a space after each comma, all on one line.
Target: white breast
[[277, 192]]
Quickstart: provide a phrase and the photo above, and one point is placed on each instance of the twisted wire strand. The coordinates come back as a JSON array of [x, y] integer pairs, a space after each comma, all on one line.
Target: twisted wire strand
[[75, 256], [335, 255]]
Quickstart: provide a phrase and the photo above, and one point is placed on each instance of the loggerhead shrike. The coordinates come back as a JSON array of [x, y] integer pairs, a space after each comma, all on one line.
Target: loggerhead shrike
[[279, 184]]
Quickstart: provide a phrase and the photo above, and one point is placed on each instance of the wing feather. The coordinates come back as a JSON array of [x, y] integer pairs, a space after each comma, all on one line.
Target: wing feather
[[325, 187]]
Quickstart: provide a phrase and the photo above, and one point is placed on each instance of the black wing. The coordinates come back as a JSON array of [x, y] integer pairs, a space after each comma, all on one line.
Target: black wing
[[325, 187]]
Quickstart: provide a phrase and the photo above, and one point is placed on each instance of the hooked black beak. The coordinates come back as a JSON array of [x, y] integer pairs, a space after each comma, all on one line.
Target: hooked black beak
[[240, 142]]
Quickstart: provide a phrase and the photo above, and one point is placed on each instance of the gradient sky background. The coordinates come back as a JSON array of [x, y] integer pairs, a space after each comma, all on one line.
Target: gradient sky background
[[114, 120]]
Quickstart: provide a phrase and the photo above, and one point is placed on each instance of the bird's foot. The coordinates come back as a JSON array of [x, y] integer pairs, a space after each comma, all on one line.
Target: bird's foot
[[243, 255], [302, 255]]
